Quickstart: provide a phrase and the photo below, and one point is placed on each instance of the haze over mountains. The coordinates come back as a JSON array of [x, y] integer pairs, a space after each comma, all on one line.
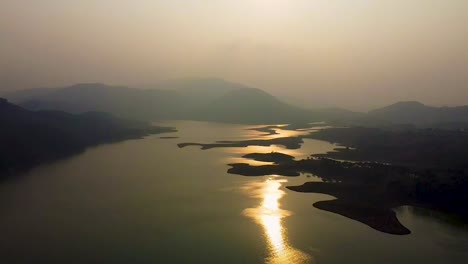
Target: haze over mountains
[[207, 100], [222, 101], [412, 112]]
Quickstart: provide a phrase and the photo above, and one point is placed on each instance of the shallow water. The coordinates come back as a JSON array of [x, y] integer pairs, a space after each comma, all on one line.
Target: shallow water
[[147, 201]]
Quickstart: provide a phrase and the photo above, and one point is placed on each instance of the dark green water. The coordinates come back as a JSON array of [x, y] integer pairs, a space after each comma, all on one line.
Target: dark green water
[[147, 201]]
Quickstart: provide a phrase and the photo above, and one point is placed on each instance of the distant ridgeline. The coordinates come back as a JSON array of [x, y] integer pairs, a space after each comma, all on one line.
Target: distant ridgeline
[[28, 138], [417, 114], [221, 101], [204, 100]]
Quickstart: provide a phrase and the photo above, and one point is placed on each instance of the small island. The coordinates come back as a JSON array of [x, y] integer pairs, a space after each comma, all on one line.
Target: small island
[[268, 130], [287, 142], [271, 129], [168, 137], [275, 157]]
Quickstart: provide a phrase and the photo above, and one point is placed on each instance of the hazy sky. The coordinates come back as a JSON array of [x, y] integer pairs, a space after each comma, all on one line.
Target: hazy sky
[[350, 53]]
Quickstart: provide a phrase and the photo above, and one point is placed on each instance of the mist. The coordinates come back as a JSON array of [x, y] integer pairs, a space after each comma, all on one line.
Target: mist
[[234, 131], [356, 55]]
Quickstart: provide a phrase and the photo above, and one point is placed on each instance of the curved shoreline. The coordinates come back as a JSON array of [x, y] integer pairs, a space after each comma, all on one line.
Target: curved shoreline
[[287, 142], [365, 191]]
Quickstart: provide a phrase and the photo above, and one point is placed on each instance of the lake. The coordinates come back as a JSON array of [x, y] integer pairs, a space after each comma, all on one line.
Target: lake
[[148, 201]]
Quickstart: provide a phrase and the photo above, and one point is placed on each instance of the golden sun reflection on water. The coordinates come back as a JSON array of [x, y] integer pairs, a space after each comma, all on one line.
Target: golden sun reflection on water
[[270, 216]]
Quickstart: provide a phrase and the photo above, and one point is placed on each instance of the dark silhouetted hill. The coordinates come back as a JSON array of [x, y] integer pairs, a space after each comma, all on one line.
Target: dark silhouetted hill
[[418, 114], [195, 94], [249, 105], [423, 148], [28, 138]]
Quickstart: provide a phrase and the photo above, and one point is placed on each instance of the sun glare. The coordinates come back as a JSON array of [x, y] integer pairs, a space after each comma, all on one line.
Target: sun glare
[[269, 215]]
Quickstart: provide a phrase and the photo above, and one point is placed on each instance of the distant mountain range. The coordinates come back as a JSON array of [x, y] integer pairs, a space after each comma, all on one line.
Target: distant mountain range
[[222, 101], [418, 114], [118, 100], [28, 138], [203, 99]]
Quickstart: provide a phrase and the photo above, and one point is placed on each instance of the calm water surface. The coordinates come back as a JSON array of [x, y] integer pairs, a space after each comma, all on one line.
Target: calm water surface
[[147, 201]]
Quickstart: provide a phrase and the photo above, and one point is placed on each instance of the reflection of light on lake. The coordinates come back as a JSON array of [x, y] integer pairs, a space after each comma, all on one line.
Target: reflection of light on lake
[[268, 149], [309, 147], [269, 215]]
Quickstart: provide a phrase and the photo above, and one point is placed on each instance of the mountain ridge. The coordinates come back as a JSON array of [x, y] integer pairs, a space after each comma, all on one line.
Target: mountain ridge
[[29, 138], [217, 100], [417, 113]]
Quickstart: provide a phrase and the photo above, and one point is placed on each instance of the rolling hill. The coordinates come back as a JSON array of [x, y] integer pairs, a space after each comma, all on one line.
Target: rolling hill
[[28, 138], [418, 114], [203, 99]]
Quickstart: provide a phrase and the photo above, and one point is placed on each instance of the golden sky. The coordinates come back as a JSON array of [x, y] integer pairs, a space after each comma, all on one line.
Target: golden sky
[[351, 53]]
